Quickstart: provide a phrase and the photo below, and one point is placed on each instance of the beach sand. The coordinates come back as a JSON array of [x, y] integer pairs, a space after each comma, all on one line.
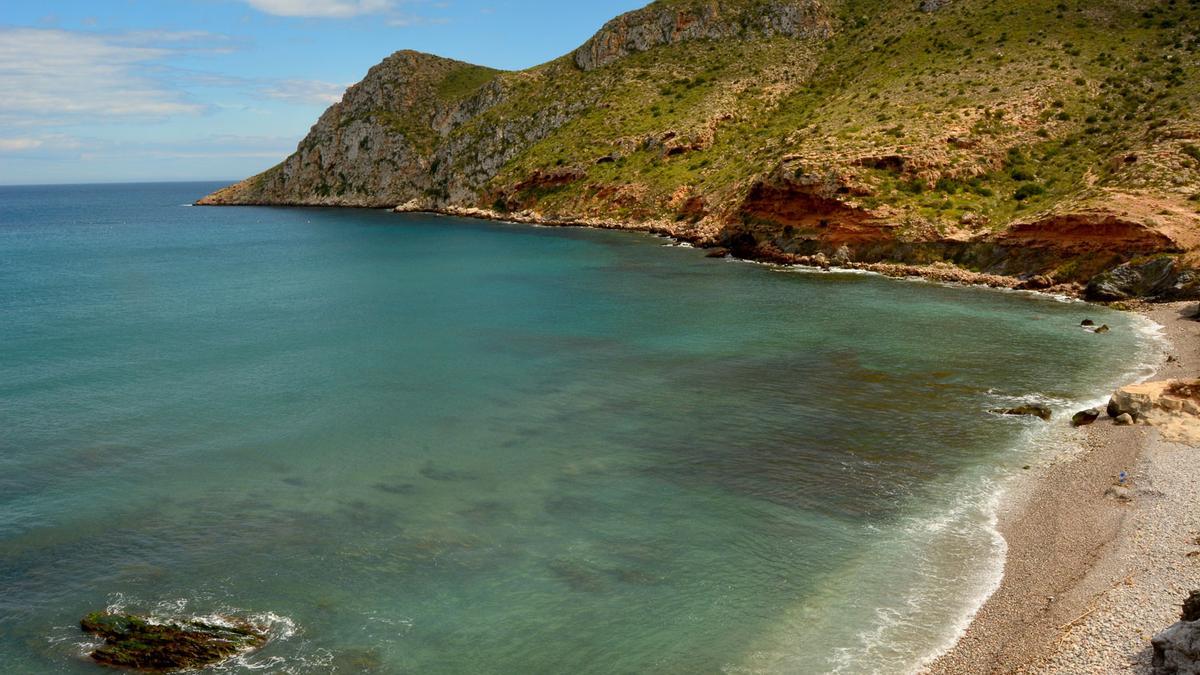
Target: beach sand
[[1090, 578]]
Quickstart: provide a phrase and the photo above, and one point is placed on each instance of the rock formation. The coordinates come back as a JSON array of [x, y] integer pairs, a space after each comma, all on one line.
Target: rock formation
[[671, 23], [152, 646], [1172, 405]]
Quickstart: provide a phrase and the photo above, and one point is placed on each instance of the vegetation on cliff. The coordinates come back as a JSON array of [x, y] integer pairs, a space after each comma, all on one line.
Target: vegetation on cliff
[[1049, 139]]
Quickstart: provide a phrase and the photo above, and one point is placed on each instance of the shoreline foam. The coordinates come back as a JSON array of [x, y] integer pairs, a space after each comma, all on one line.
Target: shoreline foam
[[1069, 546]]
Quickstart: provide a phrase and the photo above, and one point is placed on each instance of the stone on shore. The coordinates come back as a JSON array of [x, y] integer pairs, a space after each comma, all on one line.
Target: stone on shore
[[1034, 410], [1177, 649], [1085, 417], [1151, 400], [144, 645], [1124, 420]]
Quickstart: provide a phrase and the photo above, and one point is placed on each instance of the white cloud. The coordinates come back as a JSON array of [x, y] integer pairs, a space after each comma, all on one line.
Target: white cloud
[[19, 144], [304, 91], [337, 9], [49, 73], [42, 144]]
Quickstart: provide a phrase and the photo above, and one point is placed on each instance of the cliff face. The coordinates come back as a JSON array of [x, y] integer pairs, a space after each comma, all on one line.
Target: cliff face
[[384, 142], [668, 23], [1003, 136]]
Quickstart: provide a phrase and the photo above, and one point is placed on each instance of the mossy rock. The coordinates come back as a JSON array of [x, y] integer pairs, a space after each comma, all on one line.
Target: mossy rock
[[143, 645]]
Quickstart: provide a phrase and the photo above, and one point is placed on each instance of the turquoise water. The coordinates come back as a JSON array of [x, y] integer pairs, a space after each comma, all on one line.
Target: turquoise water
[[429, 445]]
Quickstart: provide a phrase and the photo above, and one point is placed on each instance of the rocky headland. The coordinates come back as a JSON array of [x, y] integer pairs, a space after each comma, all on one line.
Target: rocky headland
[[1011, 141]]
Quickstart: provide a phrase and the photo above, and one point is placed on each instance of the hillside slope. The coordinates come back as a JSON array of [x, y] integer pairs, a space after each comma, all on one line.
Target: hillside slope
[[1050, 141]]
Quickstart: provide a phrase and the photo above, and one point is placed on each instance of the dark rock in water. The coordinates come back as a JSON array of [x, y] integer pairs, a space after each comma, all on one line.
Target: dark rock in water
[[718, 253], [396, 488], [1158, 279], [433, 472], [1103, 329], [136, 643], [1177, 649], [1085, 417], [1087, 323], [1029, 410]]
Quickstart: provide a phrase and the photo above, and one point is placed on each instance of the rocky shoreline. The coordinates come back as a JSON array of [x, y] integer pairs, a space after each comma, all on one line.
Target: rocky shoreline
[[939, 272], [1104, 545]]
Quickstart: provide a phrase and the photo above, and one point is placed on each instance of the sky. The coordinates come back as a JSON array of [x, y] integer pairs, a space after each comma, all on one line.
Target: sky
[[160, 90]]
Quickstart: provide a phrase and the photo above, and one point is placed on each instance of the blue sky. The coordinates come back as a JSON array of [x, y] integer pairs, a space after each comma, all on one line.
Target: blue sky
[[132, 90]]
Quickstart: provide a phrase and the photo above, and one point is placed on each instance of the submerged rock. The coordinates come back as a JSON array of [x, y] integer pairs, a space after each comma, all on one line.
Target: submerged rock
[[1102, 329], [1085, 417], [1177, 649], [1087, 323], [1035, 410], [144, 645]]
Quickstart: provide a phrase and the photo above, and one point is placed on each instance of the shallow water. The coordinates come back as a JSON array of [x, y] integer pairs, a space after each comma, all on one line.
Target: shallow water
[[419, 444]]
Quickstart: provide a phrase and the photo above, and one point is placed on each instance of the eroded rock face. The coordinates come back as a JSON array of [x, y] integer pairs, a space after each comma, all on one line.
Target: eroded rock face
[[137, 643], [1160, 279], [672, 23]]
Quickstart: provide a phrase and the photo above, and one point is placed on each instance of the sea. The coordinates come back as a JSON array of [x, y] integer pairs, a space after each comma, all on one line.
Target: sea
[[420, 444]]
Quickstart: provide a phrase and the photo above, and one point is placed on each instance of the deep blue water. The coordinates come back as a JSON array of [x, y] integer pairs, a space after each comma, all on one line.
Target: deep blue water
[[432, 445]]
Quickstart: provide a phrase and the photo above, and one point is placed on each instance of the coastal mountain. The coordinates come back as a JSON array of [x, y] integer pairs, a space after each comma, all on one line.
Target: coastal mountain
[[1052, 142]]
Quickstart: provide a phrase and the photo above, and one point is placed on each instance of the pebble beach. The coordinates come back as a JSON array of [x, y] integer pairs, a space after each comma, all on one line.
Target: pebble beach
[[1093, 573]]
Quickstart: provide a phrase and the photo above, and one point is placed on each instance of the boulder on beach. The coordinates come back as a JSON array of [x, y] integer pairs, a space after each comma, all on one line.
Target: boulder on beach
[[1177, 649], [1156, 399], [1191, 607], [1125, 420], [147, 645], [1033, 410], [1085, 417]]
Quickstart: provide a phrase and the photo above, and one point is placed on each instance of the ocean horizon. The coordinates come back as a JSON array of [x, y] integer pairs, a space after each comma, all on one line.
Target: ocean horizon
[[413, 443]]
